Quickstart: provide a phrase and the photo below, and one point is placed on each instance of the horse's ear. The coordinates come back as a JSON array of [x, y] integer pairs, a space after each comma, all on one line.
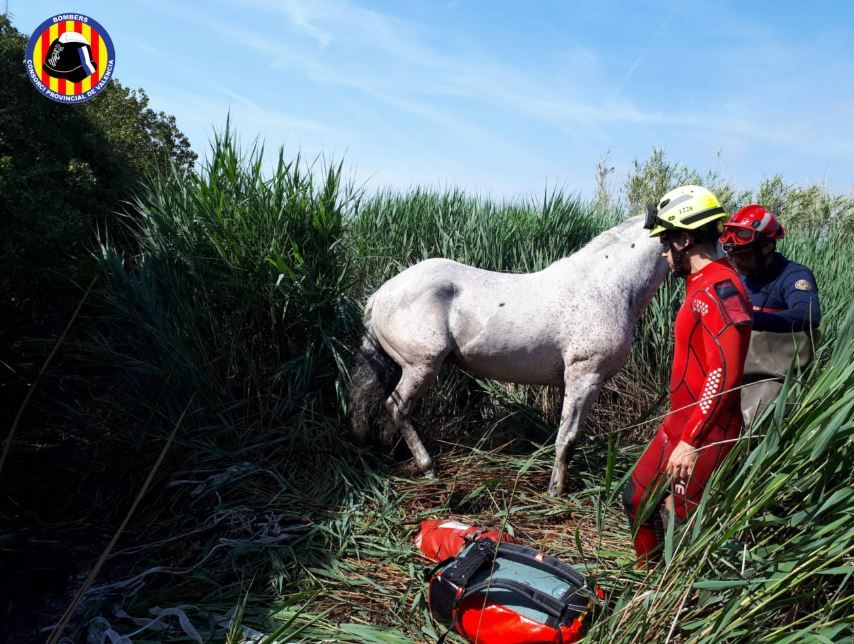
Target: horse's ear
[[651, 214]]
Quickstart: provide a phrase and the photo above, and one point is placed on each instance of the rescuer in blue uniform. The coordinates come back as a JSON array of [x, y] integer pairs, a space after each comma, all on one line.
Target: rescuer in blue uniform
[[784, 297]]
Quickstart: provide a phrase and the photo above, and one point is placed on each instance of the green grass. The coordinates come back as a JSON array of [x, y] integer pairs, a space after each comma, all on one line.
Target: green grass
[[247, 297]]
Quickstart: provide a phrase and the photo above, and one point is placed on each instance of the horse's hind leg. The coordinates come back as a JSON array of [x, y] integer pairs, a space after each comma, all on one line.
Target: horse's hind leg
[[414, 383], [581, 387]]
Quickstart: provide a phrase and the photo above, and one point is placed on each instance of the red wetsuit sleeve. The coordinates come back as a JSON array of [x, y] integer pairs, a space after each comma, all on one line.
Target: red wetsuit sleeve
[[724, 332]]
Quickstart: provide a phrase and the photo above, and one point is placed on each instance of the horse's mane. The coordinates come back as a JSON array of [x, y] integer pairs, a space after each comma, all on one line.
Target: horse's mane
[[618, 234]]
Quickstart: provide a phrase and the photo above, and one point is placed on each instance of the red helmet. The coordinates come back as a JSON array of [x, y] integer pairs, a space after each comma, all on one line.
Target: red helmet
[[749, 225]]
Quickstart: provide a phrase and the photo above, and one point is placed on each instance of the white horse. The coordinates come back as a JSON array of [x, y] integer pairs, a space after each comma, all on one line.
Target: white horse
[[570, 324]]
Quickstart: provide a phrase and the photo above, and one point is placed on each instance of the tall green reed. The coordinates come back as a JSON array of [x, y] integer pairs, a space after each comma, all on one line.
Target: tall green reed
[[394, 230], [240, 290]]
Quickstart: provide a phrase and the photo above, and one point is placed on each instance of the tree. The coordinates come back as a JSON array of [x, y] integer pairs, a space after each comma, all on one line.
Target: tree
[[66, 170], [649, 180]]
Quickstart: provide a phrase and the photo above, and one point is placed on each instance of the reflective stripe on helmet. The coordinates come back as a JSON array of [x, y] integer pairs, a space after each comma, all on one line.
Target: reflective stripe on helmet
[[690, 219]]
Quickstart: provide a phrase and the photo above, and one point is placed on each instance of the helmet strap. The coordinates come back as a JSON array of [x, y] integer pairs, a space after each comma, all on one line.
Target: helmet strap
[[679, 258]]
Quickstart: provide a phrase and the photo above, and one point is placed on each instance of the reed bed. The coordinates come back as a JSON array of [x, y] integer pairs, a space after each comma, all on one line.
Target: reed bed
[[265, 523]]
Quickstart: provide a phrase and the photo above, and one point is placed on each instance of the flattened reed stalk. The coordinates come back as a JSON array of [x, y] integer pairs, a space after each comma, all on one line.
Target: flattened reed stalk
[[87, 583]]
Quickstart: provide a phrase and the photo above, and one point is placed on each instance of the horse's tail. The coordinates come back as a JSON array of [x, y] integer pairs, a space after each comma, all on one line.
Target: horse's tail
[[373, 376]]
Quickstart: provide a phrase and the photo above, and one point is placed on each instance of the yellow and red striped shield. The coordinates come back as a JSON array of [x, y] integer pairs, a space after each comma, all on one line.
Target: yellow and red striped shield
[[102, 58]]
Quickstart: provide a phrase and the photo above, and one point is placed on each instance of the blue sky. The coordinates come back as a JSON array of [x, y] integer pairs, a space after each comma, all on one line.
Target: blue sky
[[502, 98]]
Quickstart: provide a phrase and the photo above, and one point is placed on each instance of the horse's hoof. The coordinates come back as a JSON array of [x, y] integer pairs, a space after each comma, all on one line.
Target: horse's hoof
[[555, 491], [430, 474]]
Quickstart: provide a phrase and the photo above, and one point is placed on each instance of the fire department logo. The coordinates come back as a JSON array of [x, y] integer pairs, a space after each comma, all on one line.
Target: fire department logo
[[70, 58]]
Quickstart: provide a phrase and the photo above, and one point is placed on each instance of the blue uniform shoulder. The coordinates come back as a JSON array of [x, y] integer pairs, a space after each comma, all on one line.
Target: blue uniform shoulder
[[789, 301], [797, 276]]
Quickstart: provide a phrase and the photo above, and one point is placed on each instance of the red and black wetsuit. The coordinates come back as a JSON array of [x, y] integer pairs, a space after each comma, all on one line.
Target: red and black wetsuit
[[711, 336]]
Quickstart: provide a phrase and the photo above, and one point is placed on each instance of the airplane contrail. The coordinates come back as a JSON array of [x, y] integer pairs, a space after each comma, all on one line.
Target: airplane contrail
[[645, 51]]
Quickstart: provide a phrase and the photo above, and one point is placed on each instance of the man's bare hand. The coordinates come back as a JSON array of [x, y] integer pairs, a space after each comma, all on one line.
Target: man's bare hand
[[682, 461]]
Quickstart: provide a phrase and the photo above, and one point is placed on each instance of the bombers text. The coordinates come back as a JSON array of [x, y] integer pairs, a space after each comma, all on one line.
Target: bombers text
[[70, 16]]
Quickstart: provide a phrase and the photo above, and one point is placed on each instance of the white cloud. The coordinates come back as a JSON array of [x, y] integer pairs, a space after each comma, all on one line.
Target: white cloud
[[252, 111], [491, 102], [426, 71], [301, 15]]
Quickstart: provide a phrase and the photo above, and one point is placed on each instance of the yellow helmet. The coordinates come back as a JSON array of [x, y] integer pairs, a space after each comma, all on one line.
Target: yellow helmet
[[684, 208]]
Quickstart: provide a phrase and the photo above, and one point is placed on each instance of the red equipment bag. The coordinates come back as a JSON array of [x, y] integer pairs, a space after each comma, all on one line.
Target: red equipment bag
[[511, 594], [440, 539]]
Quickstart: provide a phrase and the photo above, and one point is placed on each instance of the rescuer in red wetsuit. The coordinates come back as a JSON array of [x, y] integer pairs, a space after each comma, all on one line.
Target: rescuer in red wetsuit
[[711, 337]]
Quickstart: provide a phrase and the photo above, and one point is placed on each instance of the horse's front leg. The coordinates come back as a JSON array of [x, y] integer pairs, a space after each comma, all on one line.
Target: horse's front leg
[[582, 385]]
